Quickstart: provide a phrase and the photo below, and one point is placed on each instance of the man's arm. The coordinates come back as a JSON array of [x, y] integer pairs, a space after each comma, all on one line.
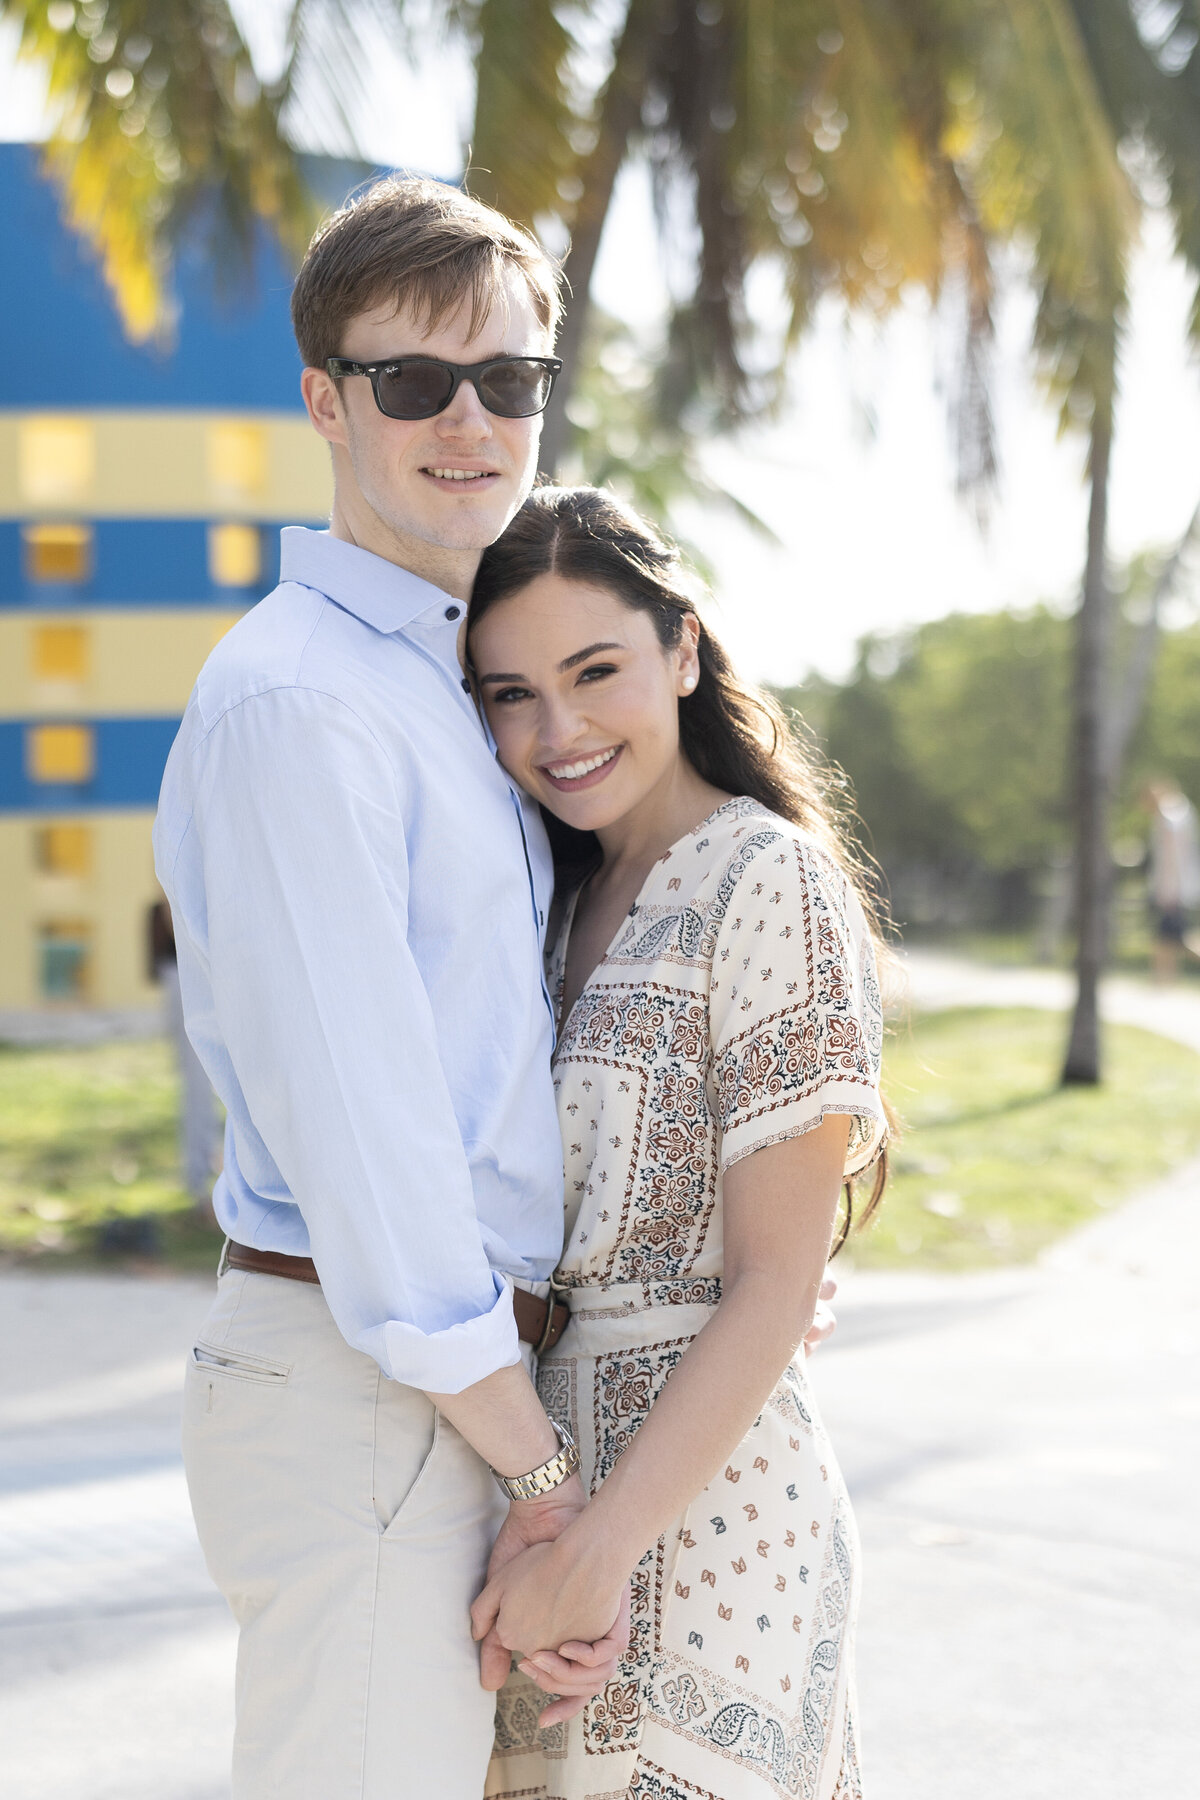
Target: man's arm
[[325, 1018]]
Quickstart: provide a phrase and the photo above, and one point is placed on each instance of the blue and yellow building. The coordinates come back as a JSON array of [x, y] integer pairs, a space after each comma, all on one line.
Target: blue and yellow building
[[141, 495]]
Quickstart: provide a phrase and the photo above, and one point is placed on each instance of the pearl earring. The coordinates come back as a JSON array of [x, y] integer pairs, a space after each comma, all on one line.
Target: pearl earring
[[689, 682]]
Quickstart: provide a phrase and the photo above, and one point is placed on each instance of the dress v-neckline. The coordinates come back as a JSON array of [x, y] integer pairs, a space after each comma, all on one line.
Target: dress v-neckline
[[564, 935]]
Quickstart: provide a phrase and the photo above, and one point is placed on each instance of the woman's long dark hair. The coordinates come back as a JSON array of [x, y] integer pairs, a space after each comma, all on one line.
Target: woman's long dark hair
[[735, 737]]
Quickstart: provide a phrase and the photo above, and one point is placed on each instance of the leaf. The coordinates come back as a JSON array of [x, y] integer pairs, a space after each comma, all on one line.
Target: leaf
[[160, 124]]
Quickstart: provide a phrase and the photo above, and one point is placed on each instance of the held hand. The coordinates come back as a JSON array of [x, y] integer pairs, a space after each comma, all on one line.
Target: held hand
[[578, 1671], [546, 1597], [528, 1522], [824, 1319]]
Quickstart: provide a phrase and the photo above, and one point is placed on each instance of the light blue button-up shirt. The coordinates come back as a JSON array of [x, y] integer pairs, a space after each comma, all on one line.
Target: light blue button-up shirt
[[359, 896]]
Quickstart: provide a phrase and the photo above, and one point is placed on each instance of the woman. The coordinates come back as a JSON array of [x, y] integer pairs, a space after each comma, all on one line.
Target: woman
[[717, 1076]]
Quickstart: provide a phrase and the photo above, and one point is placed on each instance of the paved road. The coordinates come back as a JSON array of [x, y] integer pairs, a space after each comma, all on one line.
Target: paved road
[[115, 1653], [1024, 1450], [931, 979], [1024, 1453]]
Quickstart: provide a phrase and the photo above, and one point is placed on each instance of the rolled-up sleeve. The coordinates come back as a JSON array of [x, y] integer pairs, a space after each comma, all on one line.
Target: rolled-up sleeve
[[299, 813], [797, 1025]]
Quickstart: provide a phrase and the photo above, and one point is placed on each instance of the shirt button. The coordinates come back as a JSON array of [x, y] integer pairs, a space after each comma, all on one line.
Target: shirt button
[[466, 685], [452, 612]]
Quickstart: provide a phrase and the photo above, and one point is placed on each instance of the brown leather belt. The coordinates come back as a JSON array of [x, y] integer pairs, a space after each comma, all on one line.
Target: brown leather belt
[[539, 1322]]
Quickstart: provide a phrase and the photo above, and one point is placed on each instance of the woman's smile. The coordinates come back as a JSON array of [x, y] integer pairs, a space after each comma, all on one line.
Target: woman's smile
[[581, 771]]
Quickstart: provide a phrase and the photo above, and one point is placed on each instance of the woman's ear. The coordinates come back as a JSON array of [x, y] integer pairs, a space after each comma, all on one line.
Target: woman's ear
[[688, 654]]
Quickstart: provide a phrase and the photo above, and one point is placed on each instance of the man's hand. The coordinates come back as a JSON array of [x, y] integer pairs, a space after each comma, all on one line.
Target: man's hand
[[581, 1669], [824, 1319], [541, 1598]]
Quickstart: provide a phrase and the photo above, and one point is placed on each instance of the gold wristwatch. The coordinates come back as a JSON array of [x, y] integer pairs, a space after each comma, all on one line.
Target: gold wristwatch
[[548, 1475]]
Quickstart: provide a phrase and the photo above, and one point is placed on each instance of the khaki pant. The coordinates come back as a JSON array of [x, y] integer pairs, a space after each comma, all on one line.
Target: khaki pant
[[349, 1527]]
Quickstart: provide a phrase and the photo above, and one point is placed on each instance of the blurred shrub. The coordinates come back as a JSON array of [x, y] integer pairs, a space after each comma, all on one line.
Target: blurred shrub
[[954, 736]]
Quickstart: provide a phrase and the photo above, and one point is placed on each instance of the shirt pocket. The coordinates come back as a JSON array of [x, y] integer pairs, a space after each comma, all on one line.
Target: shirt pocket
[[238, 1365]]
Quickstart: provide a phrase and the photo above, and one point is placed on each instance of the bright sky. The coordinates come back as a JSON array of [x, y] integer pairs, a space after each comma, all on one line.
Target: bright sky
[[858, 479]]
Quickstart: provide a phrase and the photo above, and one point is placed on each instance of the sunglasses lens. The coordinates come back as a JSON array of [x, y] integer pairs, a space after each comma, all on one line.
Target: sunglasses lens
[[414, 390], [515, 389]]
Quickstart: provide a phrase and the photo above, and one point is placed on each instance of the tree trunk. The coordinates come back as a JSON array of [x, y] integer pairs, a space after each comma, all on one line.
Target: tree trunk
[[1093, 775], [620, 114]]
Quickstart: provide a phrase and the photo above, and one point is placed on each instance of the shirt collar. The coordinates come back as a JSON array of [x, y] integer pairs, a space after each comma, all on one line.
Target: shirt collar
[[377, 591]]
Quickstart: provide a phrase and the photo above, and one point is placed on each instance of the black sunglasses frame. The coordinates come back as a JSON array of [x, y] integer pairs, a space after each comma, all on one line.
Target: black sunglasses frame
[[338, 366]]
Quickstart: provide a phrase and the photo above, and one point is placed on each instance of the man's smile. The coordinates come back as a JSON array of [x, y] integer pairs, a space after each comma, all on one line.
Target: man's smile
[[449, 474]]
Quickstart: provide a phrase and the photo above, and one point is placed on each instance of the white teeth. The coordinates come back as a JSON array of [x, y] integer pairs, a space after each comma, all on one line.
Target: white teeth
[[574, 771], [459, 474]]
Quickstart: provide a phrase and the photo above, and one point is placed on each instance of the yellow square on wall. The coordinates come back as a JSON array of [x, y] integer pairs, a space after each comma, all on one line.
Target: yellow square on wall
[[56, 459], [60, 652], [62, 850], [57, 553], [237, 459], [60, 753], [234, 555]]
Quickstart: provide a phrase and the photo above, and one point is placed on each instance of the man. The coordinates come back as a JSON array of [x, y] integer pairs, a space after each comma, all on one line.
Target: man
[[359, 897]]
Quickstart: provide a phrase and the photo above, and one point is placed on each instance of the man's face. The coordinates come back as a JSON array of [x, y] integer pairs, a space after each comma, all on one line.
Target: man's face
[[410, 472]]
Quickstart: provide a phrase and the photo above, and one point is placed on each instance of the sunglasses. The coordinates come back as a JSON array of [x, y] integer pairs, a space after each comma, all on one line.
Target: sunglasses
[[419, 387]]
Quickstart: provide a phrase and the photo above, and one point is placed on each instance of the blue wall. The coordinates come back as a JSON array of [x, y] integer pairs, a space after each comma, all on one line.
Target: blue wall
[[137, 562], [62, 338], [131, 755]]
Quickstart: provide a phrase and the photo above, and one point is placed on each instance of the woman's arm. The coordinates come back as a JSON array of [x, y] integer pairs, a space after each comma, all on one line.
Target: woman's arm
[[779, 1208]]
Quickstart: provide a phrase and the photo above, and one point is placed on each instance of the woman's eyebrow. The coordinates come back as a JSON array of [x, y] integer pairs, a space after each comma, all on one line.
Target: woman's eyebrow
[[568, 662]]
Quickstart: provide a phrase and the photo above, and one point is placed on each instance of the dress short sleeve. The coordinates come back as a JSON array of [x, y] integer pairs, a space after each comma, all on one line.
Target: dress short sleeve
[[794, 1005]]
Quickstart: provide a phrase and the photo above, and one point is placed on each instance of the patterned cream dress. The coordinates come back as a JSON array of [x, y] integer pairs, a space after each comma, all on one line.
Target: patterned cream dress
[[737, 1005]]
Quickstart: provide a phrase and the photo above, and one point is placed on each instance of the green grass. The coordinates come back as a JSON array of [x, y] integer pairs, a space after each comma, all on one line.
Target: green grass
[[994, 1163], [995, 1160], [88, 1137]]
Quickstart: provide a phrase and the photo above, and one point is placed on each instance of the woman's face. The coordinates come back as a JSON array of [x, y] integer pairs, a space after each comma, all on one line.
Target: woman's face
[[582, 697]]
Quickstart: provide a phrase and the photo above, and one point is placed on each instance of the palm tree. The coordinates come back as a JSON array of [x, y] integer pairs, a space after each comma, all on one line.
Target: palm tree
[[1149, 91], [1081, 223]]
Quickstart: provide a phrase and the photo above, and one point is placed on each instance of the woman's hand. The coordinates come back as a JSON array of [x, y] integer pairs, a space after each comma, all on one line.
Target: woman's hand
[[578, 1671], [552, 1594], [824, 1318]]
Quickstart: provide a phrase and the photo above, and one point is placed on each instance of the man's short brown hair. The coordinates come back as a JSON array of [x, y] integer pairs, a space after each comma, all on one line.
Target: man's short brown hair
[[422, 244]]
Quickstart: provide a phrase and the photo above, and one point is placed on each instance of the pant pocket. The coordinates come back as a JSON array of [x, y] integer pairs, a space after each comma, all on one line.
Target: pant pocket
[[238, 1365], [405, 1450]]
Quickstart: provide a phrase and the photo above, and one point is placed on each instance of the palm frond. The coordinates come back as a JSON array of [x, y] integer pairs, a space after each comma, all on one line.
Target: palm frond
[[1151, 91], [159, 116], [521, 154], [1051, 175], [619, 438]]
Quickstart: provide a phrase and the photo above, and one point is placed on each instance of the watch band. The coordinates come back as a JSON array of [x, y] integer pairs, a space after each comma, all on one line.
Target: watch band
[[548, 1475]]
